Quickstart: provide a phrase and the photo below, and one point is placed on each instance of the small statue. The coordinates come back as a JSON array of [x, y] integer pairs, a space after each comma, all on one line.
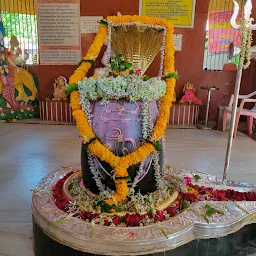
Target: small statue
[[189, 95], [60, 88]]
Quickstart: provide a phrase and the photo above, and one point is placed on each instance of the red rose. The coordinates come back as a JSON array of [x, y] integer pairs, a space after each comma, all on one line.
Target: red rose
[[177, 206], [171, 211], [116, 219], [106, 222], [187, 180], [220, 195], [251, 196], [190, 197], [132, 219], [196, 187], [89, 216], [159, 216], [201, 190], [61, 203]]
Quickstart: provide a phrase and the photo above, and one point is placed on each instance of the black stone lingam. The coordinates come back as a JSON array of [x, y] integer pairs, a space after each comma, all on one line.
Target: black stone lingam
[[146, 185]]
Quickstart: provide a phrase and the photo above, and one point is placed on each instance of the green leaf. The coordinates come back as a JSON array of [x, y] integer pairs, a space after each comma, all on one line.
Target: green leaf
[[70, 88], [171, 75], [156, 144], [118, 57], [61, 220], [104, 22], [92, 62], [146, 78], [206, 219], [197, 177], [92, 231], [128, 65], [184, 205], [163, 232], [209, 211], [123, 178], [122, 67], [90, 141], [104, 207], [118, 208], [70, 186]]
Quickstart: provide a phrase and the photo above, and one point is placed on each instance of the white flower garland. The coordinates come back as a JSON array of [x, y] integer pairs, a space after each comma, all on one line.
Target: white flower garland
[[246, 49], [162, 55], [86, 106], [129, 87]]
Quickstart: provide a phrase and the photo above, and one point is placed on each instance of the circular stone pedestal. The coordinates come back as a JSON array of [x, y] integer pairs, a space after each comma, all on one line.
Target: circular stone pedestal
[[188, 230]]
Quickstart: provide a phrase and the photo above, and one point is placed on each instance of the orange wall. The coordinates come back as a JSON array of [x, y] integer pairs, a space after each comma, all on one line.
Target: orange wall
[[189, 62]]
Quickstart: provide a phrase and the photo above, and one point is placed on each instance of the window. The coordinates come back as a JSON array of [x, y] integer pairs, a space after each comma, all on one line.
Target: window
[[20, 20]]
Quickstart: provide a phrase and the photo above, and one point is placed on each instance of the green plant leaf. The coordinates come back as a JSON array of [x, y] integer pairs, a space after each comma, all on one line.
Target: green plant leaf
[[70, 186], [156, 144], [90, 141], [104, 207], [197, 177], [163, 232], [184, 205], [206, 219], [209, 210], [122, 67], [104, 22], [70, 88], [123, 178], [117, 207], [92, 62], [128, 65], [146, 78], [92, 231], [171, 75]]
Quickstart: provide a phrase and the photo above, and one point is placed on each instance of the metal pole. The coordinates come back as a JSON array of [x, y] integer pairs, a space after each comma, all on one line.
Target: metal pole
[[233, 119], [207, 107]]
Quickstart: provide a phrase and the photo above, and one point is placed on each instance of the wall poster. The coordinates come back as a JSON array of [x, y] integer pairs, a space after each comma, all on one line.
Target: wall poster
[[59, 32], [177, 42], [221, 33], [179, 12], [90, 24]]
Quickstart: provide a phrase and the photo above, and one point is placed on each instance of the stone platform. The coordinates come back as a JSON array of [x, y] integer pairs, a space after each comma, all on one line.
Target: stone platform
[[187, 233]]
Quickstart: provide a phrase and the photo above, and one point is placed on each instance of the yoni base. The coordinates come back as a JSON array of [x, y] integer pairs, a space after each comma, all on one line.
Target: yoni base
[[240, 243], [187, 233]]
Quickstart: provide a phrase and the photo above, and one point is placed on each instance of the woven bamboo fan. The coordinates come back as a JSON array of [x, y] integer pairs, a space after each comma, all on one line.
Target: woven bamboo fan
[[138, 43]]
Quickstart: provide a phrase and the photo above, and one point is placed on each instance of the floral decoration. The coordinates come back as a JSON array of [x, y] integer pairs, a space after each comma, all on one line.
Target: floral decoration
[[194, 193], [120, 164], [246, 47]]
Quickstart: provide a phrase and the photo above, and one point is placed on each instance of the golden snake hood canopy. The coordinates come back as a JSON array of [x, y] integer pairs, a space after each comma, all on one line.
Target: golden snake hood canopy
[[139, 43]]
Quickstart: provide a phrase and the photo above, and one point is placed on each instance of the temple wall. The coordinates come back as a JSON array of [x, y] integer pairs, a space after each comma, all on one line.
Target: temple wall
[[189, 62]]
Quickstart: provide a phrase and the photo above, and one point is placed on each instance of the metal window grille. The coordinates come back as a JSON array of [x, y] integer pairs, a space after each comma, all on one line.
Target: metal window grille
[[20, 19], [216, 60]]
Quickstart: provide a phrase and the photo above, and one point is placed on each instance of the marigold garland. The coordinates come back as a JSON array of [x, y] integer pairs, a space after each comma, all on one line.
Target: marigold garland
[[121, 164]]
